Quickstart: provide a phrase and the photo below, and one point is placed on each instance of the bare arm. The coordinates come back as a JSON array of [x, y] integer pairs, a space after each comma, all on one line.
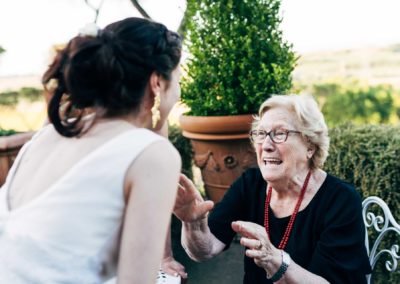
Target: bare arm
[[169, 265], [152, 180], [266, 256], [197, 239]]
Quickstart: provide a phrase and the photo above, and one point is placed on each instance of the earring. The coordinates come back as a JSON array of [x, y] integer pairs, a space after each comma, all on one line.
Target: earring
[[155, 111]]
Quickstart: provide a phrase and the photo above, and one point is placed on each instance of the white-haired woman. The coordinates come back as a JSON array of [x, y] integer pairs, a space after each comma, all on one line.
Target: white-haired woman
[[298, 223]]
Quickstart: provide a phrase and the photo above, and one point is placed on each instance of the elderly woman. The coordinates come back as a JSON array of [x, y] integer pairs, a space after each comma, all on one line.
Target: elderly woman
[[298, 223]]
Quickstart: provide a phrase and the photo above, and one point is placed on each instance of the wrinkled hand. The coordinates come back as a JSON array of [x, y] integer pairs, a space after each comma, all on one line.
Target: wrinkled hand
[[170, 266], [255, 239], [189, 205]]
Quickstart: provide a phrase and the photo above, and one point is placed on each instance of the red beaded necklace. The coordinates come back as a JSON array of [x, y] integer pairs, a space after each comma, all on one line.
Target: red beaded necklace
[[286, 235]]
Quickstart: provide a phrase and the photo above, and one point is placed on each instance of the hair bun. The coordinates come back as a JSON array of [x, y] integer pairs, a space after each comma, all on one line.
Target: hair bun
[[107, 36]]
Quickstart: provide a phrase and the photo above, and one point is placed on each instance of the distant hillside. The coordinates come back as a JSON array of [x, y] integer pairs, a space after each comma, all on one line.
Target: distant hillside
[[17, 82], [372, 65]]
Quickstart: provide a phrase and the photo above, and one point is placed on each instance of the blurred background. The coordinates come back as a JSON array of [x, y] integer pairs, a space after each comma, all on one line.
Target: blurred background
[[349, 52], [348, 58]]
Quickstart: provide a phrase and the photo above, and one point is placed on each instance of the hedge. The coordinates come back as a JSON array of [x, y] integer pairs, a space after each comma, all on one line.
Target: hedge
[[368, 156], [184, 148]]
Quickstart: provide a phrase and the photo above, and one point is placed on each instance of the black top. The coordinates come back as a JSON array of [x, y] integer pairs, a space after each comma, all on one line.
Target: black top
[[327, 237]]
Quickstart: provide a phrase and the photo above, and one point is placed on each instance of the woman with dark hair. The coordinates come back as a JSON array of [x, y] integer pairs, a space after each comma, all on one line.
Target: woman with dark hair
[[96, 187]]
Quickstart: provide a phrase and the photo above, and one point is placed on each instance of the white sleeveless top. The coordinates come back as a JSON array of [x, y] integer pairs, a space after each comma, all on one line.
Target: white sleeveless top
[[70, 233]]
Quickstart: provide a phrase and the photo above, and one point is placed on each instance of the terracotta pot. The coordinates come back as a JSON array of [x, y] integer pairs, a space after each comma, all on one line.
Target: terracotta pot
[[222, 149], [9, 148]]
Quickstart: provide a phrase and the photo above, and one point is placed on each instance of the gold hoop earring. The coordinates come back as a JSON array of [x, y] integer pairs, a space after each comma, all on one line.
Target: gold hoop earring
[[155, 110]]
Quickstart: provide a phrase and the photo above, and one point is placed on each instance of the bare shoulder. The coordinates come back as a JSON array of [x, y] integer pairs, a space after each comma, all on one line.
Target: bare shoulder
[[159, 154], [160, 162]]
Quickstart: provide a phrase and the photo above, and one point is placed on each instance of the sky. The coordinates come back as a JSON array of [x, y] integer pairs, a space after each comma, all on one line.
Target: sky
[[28, 28]]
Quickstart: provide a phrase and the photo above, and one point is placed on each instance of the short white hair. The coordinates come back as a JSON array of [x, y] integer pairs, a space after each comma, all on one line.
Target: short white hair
[[309, 118]]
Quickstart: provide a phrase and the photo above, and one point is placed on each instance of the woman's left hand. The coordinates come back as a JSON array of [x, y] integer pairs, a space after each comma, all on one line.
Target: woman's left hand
[[255, 239]]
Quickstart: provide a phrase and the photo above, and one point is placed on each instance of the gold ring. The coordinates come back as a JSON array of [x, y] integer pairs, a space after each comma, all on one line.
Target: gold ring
[[259, 245]]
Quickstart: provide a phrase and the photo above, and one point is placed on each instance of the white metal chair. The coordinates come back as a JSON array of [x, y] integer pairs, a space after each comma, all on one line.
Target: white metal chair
[[162, 278], [382, 224]]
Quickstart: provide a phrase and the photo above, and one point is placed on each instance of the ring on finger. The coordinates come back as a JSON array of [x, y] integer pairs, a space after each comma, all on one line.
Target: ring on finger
[[259, 245]]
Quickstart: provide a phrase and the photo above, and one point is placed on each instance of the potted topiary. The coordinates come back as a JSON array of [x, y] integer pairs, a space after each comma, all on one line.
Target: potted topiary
[[237, 59]]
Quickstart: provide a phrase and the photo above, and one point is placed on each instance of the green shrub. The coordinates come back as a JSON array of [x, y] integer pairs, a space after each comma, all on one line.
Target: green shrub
[[12, 98], [237, 56], [355, 102], [369, 157], [7, 132], [182, 144], [9, 98]]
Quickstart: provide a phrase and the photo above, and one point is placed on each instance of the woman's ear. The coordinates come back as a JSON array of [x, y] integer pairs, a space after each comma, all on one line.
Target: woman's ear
[[155, 83], [310, 150]]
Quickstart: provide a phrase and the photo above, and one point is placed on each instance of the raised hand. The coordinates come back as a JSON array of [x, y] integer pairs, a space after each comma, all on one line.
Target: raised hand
[[255, 239], [189, 205]]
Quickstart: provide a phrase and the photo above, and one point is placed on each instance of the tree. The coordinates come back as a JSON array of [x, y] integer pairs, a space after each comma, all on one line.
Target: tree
[[95, 9], [355, 103], [140, 9], [238, 56], [143, 12]]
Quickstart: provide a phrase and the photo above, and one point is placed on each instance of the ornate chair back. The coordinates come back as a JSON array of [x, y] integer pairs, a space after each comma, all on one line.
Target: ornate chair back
[[380, 222]]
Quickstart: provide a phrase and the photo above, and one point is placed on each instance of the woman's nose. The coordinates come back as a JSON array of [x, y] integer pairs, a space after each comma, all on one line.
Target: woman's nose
[[268, 144]]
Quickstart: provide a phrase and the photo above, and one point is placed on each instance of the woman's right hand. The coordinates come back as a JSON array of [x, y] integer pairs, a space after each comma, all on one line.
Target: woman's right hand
[[189, 205]]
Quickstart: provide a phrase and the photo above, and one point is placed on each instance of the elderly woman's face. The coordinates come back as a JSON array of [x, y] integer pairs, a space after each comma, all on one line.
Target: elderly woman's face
[[284, 160]]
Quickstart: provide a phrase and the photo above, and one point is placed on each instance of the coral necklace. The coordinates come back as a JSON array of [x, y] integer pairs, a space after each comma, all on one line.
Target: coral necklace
[[286, 235]]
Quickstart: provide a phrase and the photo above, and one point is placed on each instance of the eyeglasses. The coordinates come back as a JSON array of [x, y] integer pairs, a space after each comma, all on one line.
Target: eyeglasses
[[277, 135]]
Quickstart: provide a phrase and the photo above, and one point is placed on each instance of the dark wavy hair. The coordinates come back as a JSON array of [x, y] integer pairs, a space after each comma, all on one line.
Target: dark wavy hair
[[110, 70]]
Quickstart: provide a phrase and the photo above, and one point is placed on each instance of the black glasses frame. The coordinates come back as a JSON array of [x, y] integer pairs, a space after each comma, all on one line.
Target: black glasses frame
[[272, 134]]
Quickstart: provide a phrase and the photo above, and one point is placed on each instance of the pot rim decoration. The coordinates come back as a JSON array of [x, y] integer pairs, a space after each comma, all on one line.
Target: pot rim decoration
[[216, 127]]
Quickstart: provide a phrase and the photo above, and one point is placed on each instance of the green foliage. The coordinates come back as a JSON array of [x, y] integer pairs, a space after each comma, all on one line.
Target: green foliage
[[12, 98], [182, 144], [2, 50], [9, 98], [238, 57], [4, 132], [368, 157], [355, 103]]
